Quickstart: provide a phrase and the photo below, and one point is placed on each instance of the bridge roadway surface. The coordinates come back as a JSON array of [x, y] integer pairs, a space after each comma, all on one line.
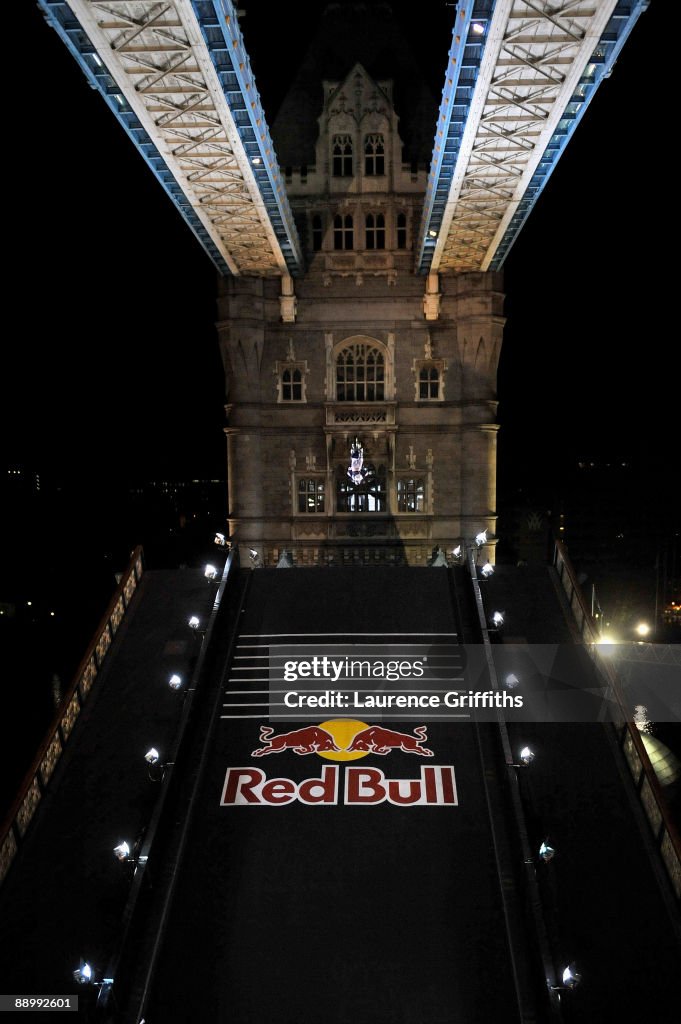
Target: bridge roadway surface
[[339, 914]]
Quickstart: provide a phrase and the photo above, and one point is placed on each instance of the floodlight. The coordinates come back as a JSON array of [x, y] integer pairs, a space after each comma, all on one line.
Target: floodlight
[[477, 28], [571, 976], [122, 851], [83, 974], [527, 756], [175, 681], [481, 538], [220, 540], [487, 570], [498, 619], [211, 572], [152, 755], [546, 852], [511, 680], [194, 622]]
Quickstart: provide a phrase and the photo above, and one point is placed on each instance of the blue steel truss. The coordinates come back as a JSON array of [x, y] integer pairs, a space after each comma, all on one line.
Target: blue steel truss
[[469, 35], [465, 56], [602, 61], [233, 69]]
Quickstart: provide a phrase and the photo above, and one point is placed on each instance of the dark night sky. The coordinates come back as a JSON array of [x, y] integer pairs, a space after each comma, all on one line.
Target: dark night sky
[[117, 368]]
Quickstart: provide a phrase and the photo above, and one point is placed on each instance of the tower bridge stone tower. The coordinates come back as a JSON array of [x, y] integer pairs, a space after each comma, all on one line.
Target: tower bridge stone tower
[[359, 351]]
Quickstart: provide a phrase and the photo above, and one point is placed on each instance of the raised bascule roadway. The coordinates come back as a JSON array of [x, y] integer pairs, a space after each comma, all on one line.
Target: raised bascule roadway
[[321, 863]]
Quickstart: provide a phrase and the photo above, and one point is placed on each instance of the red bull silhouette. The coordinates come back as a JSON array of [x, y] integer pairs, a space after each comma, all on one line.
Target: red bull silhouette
[[310, 740], [377, 740]]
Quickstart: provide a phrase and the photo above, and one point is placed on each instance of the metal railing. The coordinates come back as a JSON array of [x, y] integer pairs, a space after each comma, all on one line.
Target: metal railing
[[664, 832], [35, 782]]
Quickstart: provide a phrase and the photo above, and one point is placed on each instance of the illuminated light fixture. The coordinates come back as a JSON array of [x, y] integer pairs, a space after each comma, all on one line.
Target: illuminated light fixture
[[83, 974], [255, 558], [511, 681], [432, 233], [211, 572], [477, 28], [256, 160], [498, 619], [546, 852], [122, 851], [643, 629], [152, 755], [481, 538], [606, 640], [175, 681], [220, 540], [571, 976], [527, 756], [456, 553], [487, 570], [194, 622]]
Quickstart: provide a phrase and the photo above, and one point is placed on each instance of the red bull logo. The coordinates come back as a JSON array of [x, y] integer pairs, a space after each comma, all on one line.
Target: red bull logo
[[342, 740]]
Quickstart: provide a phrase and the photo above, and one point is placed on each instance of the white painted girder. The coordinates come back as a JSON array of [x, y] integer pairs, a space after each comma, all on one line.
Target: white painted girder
[[535, 55], [155, 51]]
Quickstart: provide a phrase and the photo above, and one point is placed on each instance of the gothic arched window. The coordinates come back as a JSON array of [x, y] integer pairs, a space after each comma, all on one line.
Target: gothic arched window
[[360, 374], [342, 156], [374, 155]]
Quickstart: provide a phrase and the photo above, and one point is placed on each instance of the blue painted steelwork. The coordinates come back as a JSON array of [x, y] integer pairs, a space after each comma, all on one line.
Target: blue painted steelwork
[[62, 19], [465, 55], [623, 19], [225, 44]]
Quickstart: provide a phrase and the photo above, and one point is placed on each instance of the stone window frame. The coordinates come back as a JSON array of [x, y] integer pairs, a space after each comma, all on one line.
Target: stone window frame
[[401, 233], [319, 491], [412, 476], [285, 367], [374, 155], [343, 161], [317, 231], [355, 342], [343, 232], [376, 230], [419, 365]]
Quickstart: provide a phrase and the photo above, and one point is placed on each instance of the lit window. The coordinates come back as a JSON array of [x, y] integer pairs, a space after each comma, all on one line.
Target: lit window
[[429, 383], [342, 156], [410, 495], [311, 495], [374, 155], [360, 374], [401, 231], [366, 496], [343, 235], [375, 231], [317, 232]]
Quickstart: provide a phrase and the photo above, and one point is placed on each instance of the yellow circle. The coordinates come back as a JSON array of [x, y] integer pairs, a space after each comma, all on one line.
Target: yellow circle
[[343, 731]]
